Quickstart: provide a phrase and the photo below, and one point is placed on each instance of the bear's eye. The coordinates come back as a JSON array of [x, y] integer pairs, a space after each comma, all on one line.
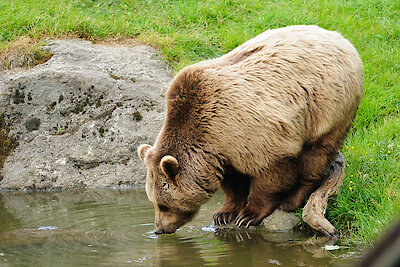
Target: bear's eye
[[163, 208]]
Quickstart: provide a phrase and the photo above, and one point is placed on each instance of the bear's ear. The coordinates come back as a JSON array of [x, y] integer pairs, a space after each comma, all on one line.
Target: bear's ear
[[142, 150], [169, 166]]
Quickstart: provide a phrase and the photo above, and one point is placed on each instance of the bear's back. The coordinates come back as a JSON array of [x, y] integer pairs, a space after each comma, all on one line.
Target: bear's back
[[291, 71], [266, 98]]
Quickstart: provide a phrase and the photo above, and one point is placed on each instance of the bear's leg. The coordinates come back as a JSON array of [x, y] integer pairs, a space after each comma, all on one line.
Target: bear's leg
[[314, 163], [266, 191], [261, 205], [297, 198], [236, 187]]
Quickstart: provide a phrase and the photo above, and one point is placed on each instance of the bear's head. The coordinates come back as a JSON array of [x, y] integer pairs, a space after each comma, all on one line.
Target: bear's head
[[175, 198]]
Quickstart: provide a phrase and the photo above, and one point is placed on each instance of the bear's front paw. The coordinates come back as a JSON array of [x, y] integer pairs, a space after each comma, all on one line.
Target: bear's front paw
[[248, 217], [223, 218]]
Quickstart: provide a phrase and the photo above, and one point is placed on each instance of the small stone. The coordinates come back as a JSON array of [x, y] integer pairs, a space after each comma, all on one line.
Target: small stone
[[281, 221]]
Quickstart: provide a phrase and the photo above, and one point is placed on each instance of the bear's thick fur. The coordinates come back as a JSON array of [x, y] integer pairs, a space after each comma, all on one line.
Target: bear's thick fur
[[263, 122]]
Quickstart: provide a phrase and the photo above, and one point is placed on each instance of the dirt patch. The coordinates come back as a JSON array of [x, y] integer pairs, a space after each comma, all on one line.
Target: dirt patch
[[24, 53]]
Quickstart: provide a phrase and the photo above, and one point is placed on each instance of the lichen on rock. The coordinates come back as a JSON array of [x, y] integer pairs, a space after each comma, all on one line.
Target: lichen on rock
[[6, 143]]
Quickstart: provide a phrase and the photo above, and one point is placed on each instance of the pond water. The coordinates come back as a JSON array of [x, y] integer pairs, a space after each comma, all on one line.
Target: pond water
[[107, 227]]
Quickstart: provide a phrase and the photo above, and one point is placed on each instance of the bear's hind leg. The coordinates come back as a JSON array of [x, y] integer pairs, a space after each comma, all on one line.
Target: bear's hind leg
[[236, 187], [297, 198], [314, 164]]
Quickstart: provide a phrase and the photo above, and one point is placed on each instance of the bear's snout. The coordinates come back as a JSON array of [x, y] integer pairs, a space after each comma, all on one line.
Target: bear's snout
[[168, 222], [161, 231]]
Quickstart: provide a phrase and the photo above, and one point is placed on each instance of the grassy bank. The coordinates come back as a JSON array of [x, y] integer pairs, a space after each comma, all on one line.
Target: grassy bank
[[190, 31]]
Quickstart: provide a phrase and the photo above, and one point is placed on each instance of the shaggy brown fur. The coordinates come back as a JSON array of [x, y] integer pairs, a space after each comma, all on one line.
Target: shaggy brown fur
[[264, 122]]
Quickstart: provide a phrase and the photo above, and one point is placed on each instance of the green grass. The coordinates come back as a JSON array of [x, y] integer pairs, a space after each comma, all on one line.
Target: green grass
[[369, 199], [190, 31]]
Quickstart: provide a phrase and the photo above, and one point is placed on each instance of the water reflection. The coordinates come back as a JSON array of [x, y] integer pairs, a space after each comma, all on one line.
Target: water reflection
[[100, 227], [175, 250], [285, 248], [7, 220]]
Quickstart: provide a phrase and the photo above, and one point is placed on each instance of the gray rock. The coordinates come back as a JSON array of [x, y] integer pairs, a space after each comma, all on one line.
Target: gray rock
[[80, 117], [281, 221]]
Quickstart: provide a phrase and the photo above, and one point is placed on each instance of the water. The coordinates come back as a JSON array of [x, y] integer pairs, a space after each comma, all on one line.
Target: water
[[104, 227]]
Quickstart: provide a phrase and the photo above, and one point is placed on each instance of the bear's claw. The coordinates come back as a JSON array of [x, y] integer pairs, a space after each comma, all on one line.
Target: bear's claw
[[239, 224], [223, 218], [247, 218]]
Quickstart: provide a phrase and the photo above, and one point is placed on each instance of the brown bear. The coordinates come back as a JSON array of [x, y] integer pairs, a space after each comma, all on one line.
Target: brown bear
[[263, 122]]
